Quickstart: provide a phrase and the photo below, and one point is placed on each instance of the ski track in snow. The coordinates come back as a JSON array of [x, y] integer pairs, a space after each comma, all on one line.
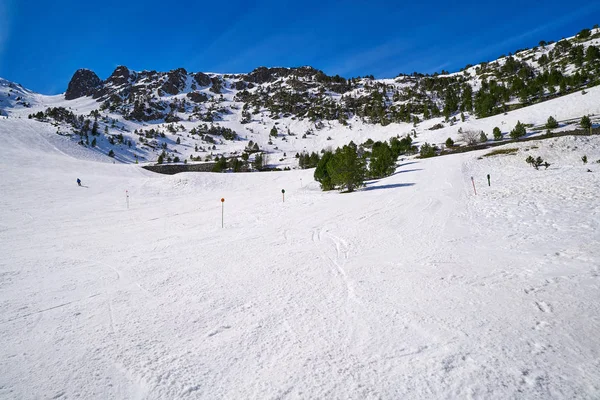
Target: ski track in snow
[[397, 291]]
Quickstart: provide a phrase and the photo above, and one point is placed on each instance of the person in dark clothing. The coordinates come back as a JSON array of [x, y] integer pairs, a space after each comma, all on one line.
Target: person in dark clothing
[[79, 181]]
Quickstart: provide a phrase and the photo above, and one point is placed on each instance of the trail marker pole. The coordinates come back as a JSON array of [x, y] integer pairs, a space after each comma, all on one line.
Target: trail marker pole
[[222, 212], [301, 183], [283, 194], [473, 180], [127, 198], [489, 183]]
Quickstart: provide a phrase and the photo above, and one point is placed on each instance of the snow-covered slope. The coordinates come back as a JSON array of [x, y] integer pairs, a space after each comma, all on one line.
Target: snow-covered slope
[[413, 287], [182, 115], [281, 151]]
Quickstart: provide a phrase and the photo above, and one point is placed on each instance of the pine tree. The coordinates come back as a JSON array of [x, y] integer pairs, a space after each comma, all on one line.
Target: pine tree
[[427, 150], [551, 123], [258, 162], [346, 169], [236, 165], [518, 131], [467, 98], [382, 162], [321, 174], [536, 162], [313, 160], [449, 142], [586, 123], [220, 165], [497, 133]]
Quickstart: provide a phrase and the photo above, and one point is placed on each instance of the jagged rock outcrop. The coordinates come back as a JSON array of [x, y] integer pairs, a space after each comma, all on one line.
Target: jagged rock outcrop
[[120, 76], [263, 74], [83, 83], [521, 79], [202, 79], [175, 82], [239, 85], [197, 97]]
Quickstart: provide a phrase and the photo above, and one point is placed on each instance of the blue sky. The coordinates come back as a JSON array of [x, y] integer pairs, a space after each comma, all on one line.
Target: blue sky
[[43, 43]]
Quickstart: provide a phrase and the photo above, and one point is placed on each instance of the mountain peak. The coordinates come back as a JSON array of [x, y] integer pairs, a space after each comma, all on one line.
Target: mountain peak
[[83, 83]]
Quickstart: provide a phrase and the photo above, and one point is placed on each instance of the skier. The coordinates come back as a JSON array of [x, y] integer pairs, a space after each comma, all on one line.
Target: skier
[[79, 181]]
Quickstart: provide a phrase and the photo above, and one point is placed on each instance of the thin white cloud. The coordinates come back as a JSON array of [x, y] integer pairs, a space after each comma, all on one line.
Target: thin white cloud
[[5, 25], [233, 34], [555, 23], [368, 58]]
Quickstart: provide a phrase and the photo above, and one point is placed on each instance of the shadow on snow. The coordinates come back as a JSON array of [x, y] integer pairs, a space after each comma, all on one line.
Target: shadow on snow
[[407, 170], [390, 186]]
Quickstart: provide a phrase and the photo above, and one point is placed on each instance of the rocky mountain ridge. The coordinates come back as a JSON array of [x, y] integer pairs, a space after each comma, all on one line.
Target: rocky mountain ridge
[[527, 77], [180, 115]]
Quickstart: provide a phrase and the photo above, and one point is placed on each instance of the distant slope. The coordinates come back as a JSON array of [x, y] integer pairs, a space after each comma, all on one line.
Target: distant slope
[[139, 115], [410, 288]]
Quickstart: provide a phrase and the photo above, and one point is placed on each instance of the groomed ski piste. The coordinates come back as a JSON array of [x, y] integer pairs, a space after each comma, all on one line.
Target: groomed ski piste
[[413, 287]]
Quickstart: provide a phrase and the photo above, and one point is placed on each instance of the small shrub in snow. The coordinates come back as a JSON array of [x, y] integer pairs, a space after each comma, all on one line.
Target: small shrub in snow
[[449, 142], [586, 123], [483, 137], [584, 159], [427, 150], [469, 137], [497, 133], [551, 123], [536, 162], [518, 131]]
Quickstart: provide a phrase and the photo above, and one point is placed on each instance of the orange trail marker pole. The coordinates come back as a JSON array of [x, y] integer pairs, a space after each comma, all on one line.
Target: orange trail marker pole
[[222, 212]]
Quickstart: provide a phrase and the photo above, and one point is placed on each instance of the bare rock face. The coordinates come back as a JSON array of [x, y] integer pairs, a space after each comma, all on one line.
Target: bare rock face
[[175, 82], [120, 76], [197, 97], [202, 79], [83, 83], [263, 74], [239, 85], [118, 80]]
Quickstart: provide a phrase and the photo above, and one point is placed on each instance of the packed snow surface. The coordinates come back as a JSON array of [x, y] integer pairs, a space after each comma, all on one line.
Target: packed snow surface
[[411, 288]]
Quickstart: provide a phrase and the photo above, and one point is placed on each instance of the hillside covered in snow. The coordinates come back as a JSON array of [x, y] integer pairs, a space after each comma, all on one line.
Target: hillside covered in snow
[[280, 113], [413, 287], [467, 274]]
